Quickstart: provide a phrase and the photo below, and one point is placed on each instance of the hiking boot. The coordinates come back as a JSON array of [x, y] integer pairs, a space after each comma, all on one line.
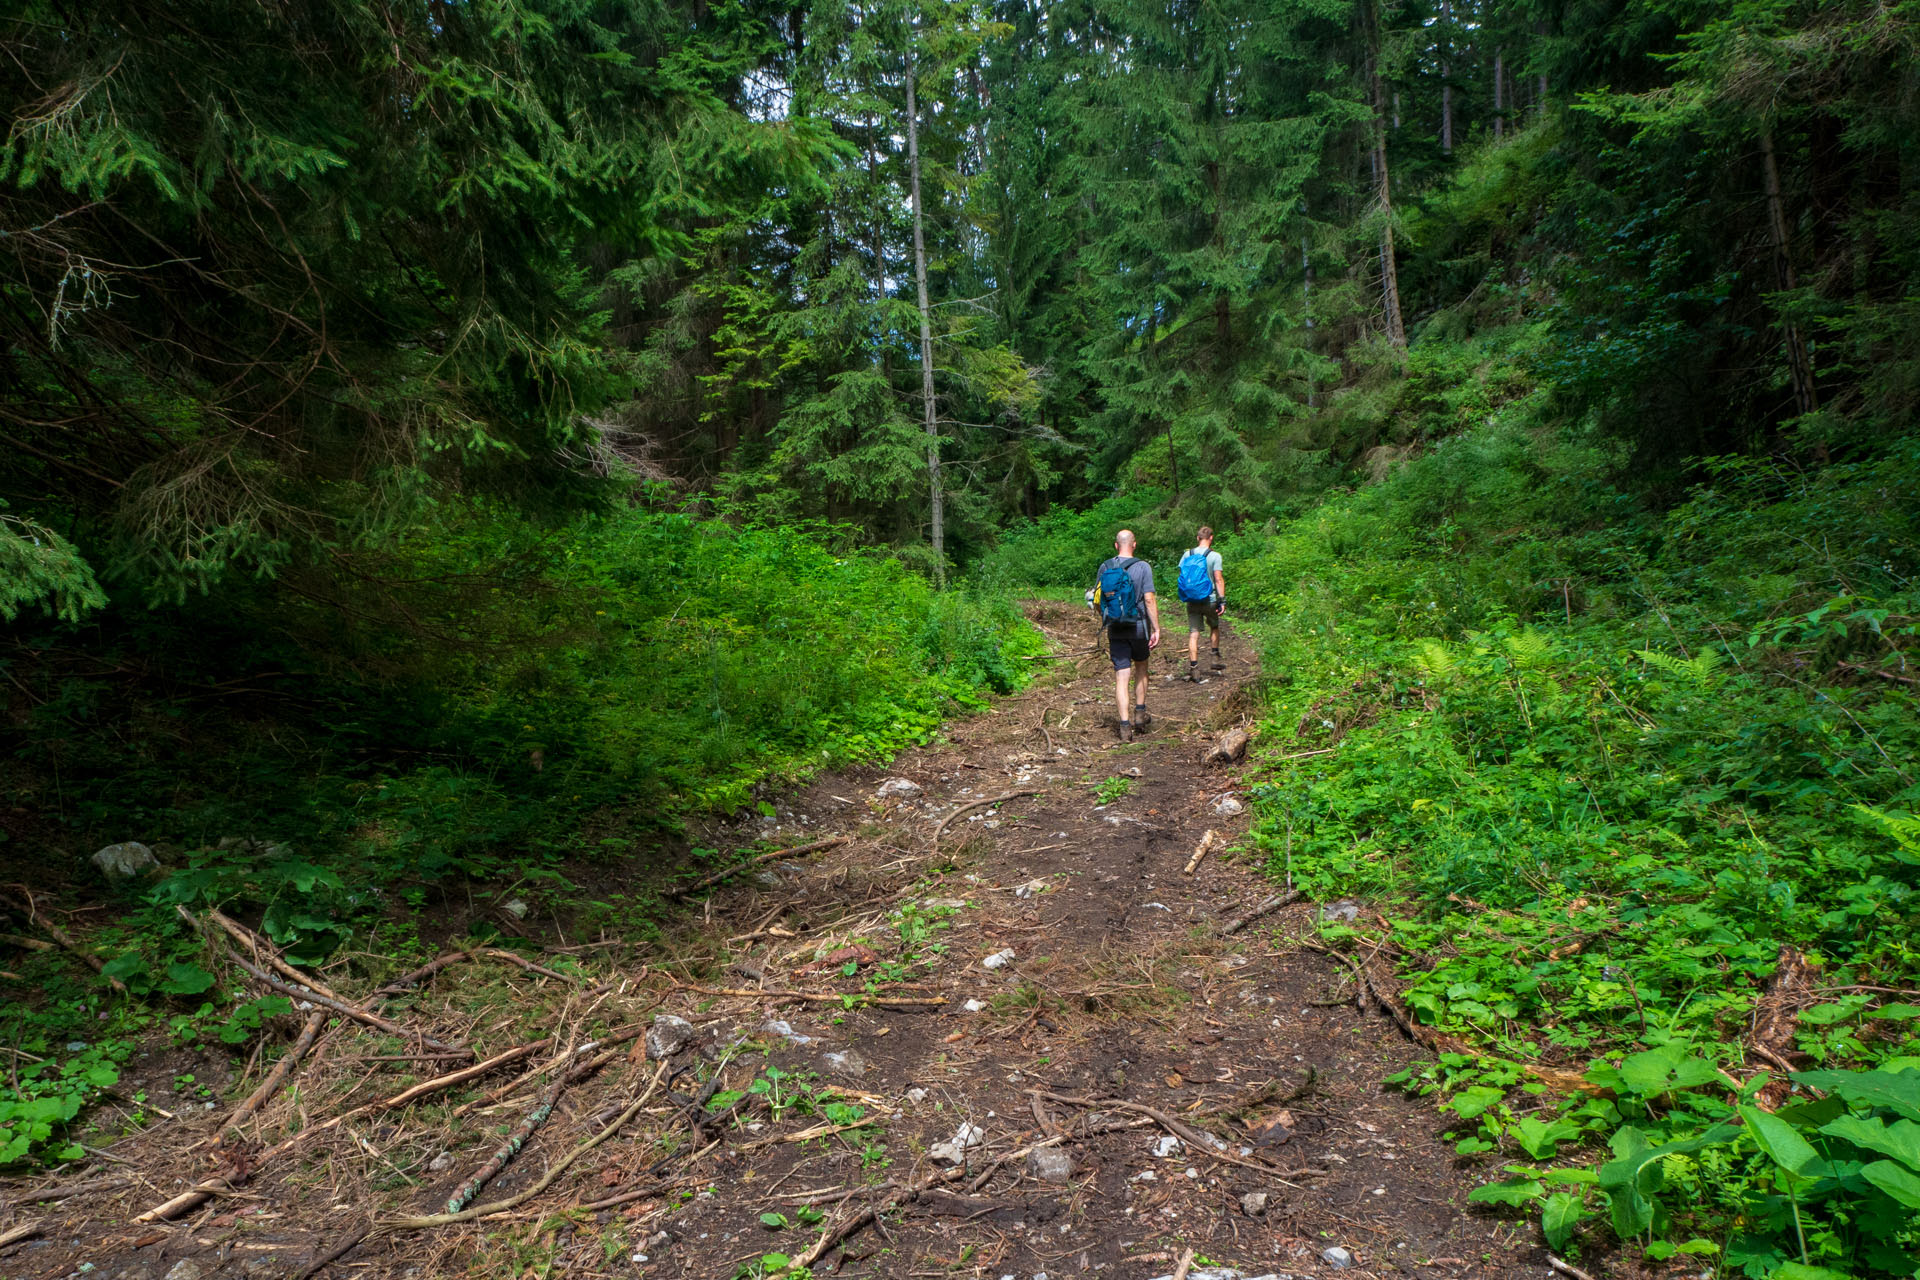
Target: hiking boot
[[1140, 716], [1126, 731], [1193, 672], [1216, 659]]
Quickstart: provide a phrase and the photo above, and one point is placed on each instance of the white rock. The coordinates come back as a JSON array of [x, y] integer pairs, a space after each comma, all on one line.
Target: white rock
[[516, 907], [784, 1029], [1157, 906], [1031, 888], [898, 787], [1254, 1203], [1227, 806], [186, 1269], [974, 1006], [1166, 1146], [954, 1150], [442, 1162], [667, 1036], [998, 960], [1050, 1164], [846, 1063], [1336, 1257], [124, 861], [916, 1095]]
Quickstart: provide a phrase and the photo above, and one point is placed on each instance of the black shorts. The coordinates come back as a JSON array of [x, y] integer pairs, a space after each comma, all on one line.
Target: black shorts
[[1127, 642]]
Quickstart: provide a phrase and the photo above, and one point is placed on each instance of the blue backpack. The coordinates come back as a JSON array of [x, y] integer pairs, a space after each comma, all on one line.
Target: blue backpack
[[1196, 584], [1119, 601]]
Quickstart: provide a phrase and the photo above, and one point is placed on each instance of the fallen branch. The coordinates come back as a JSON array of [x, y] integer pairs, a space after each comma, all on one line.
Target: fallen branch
[[30, 944], [575, 1074], [817, 997], [975, 804], [1884, 675], [1205, 847], [463, 1194], [264, 951], [1567, 1268], [1186, 1265], [14, 1235], [1271, 905], [545, 1180], [341, 1249], [281, 1070], [26, 904], [1204, 1143], [353, 1011], [795, 852], [90, 1187], [195, 1196], [498, 953]]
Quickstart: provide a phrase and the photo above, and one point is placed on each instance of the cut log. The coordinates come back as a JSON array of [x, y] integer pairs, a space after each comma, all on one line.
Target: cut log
[[1228, 747], [1272, 904], [1206, 845]]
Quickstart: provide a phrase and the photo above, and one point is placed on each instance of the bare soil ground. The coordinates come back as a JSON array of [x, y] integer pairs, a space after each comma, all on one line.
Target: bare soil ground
[[843, 1025]]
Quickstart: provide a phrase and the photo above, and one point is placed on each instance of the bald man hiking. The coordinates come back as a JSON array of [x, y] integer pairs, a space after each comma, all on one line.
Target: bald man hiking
[[1131, 615]]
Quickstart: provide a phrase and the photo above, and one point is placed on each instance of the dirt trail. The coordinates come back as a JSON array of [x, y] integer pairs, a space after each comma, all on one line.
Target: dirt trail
[[1153, 1034]]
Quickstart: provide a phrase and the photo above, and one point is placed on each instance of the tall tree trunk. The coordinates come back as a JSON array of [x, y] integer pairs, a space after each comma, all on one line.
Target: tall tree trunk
[[1540, 81], [1798, 363], [1383, 187], [936, 501], [1499, 104], [1173, 463], [1446, 77], [1306, 307]]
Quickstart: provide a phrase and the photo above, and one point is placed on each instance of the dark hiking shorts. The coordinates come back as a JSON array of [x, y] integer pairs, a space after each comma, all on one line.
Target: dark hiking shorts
[[1202, 615], [1127, 642]]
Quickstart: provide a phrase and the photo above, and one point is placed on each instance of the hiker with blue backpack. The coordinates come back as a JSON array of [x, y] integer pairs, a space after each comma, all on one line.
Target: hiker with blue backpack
[[1204, 588], [1131, 615]]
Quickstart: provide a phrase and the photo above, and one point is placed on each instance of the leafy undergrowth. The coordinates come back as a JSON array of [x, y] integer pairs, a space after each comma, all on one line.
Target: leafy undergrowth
[[1636, 795], [583, 690]]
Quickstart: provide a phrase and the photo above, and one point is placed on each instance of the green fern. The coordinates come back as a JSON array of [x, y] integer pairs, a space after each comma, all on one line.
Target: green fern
[[1904, 828], [1529, 649], [1431, 659], [1703, 668]]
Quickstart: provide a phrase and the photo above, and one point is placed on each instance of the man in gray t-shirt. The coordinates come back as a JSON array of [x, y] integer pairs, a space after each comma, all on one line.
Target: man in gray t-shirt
[[1129, 642]]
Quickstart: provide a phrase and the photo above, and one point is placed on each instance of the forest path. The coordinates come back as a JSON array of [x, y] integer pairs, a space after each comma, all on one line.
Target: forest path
[[1121, 989], [1125, 1031]]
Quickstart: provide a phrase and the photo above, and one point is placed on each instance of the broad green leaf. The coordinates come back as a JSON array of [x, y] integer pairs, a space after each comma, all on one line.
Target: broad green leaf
[[1896, 1180], [186, 979], [1901, 1140], [1780, 1140], [1664, 1069], [1803, 1271], [1512, 1191], [1898, 1090], [1560, 1214], [1469, 1103]]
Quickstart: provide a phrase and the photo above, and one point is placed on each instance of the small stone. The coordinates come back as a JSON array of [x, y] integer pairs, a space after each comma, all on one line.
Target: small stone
[[1346, 911], [1166, 1146], [897, 787], [639, 1257], [441, 1163], [1227, 806], [945, 904], [846, 1063], [998, 960], [784, 1029], [768, 880], [186, 1269], [954, 1150], [1145, 1175], [667, 1036], [125, 861], [974, 1006], [1254, 1203], [1156, 906], [1031, 888], [1049, 1164], [516, 907], [1336, 1257]]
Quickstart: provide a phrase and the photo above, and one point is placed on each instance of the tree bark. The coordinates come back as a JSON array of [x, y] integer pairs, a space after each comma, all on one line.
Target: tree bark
[[1389, 269], [1306, 306], [1499, 105], [936, 502], [1446, 77], [1798, 364]]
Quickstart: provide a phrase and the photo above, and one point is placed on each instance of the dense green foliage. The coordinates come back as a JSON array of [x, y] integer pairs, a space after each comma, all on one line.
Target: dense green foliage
[[446, 443]]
